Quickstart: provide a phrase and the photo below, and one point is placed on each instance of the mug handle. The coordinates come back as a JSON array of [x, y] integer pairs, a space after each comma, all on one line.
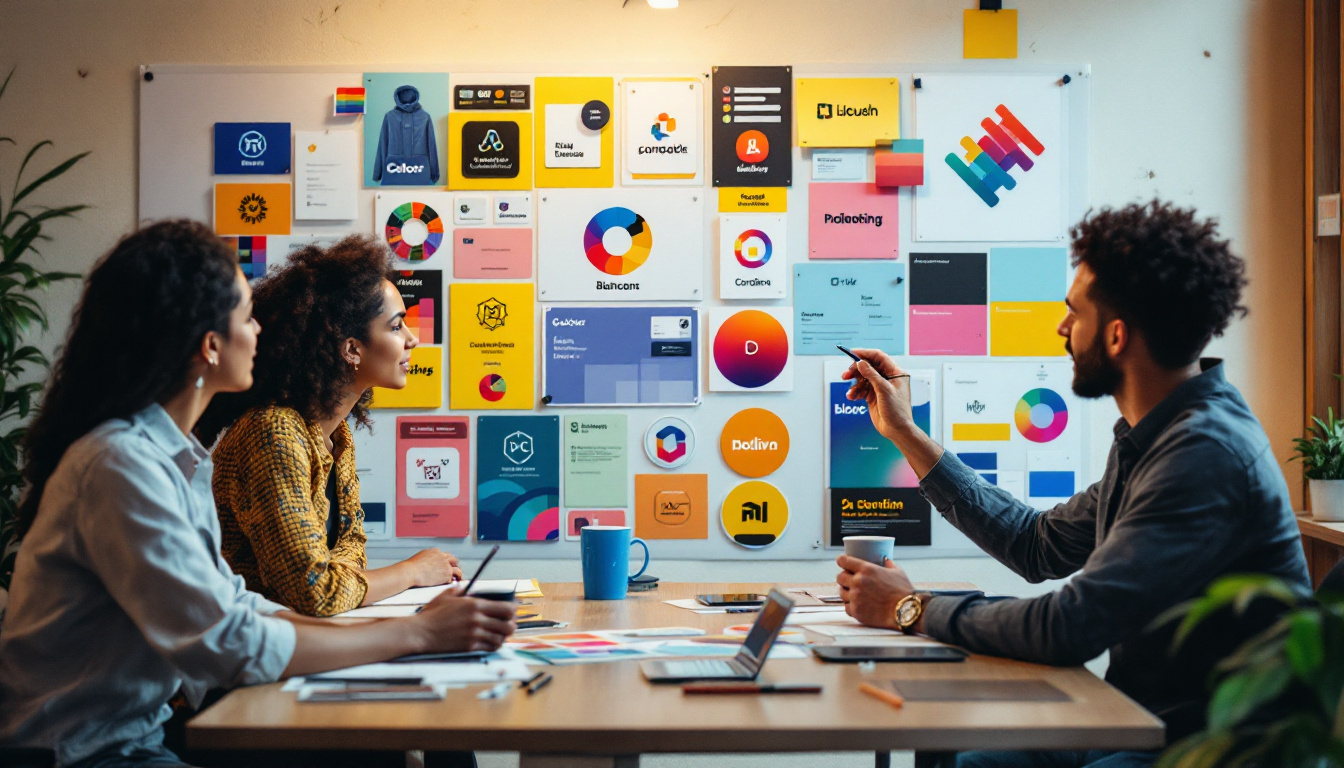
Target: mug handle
[[642, 568]]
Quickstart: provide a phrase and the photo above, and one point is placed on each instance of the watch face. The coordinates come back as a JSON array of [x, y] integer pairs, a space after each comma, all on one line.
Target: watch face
[[907, 612]]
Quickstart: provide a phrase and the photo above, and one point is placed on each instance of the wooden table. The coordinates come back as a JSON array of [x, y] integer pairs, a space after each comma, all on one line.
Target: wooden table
[[608, 711], [1323, 544]]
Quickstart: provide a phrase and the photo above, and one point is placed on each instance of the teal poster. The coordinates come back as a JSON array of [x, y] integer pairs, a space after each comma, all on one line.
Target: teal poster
[[406, 129], [517, 478]]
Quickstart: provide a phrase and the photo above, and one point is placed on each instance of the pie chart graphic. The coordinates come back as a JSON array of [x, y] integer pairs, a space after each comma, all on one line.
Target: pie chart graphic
[[1041, 415], [414, 231], [492, 387], [617, 240], [751, 348], [752, 248]]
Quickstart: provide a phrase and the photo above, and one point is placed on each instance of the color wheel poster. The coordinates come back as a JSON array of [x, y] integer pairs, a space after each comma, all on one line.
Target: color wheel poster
[[750, 350], [491, 346], [517, 478], [411, 224], [621, 355], [997, 158], [1018, 425], [751, 112], [621, 245], [433, 454]]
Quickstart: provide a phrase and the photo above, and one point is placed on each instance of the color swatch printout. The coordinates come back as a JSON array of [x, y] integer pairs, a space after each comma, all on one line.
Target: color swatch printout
[[412, 225], [856, 304], [621, 355], [1026, 301], [517, 478], [947, 304], [1018, 425], [422, 292]]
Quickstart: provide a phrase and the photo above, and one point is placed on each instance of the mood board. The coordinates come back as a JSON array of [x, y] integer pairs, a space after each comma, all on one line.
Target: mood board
[[629, 286]]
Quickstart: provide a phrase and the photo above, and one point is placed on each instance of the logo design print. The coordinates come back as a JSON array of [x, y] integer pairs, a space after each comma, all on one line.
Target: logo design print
[[1005, 146], [252, 145], [824, 112], [752, 147], [751, 349], [634, 227], [396, 237], [671, 444], [672, 507], [518, 447], [664, 126], [752, 248], [491, 313], [253, 209], [432, 471], [751, 511], [491, 142], [492, 387]]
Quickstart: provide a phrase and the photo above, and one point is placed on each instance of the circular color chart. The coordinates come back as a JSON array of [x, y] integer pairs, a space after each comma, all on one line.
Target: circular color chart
[[492, 387], [641, 240], [755, 514], [752, 248], [751, 348], [1041, 415], [754, 442], [669, 442], [414, 251]]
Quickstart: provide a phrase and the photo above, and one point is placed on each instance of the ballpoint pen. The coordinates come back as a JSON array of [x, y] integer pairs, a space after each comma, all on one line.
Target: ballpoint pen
[[537, 686], [531, 680]]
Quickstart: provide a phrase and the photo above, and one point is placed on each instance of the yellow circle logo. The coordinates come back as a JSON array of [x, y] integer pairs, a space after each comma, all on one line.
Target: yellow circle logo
[[754, 442], [755, 514]]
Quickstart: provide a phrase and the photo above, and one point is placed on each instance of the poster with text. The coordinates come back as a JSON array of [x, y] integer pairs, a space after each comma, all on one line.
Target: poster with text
[[751, 350], [252, 209], [490, 151], [752, 117], [848, 111], [901, 513], [621, 355], [948, 307], [517, 478], [575, 134], [411, 225], [664, 125], [597, 460], [621, 245], [753, 256], [422, 292], [491, 346], [252, 148], [859, 305], [857, 455], [326, 175], [424, 382], [433, 455], [405, 128], [852, 221], [997, 158]]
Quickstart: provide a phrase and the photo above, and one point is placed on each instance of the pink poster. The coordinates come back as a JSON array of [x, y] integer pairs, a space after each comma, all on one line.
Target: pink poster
[[492, 252], [852, 221], [948, 329], [432, 492]]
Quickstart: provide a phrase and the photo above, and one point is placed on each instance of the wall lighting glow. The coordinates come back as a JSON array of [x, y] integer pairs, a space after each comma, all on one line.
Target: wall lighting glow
[[663, 4]]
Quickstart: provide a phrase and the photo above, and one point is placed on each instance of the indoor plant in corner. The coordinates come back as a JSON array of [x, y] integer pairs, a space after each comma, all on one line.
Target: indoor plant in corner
[[23, 367], [1322, 456]]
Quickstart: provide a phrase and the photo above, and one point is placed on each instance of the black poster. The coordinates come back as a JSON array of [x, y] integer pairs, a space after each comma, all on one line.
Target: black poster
[[752, 113], [492, 97], [422, 292], [897, 512], [948, 278], [490, 149]]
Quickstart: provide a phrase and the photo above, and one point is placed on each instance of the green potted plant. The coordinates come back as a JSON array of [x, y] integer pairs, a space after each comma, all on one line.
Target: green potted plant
[[1276, 699], [1322, 455], [23, 367]]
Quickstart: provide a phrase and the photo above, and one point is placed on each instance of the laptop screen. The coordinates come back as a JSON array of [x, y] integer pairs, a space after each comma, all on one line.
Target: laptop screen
[[765, 630]]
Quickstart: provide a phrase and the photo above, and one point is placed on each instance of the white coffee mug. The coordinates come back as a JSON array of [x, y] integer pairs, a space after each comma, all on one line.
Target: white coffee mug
[[874, 549]]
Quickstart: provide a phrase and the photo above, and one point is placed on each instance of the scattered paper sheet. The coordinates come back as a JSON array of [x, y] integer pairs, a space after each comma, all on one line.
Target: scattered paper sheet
[[691, 604], [433, 673], [422, 595]]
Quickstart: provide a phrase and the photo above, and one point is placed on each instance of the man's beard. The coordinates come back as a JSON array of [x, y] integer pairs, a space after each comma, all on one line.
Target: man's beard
[[1094, 374]]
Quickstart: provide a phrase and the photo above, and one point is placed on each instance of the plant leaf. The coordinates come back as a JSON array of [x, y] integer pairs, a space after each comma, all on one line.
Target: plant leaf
[[1240, 694]]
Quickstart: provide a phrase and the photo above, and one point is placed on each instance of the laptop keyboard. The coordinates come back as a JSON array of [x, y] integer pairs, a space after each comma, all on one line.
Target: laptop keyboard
[[700, 668]]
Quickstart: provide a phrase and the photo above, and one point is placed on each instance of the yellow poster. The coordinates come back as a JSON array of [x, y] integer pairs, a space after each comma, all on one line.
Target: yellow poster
[[491, 349], [1026, 328], [490, 150], [424, 382], [252, 209], [753, 199], [574, 146], [847, 111]]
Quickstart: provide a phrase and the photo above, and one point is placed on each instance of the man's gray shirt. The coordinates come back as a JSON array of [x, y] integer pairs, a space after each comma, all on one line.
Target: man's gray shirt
[[1190, 493]]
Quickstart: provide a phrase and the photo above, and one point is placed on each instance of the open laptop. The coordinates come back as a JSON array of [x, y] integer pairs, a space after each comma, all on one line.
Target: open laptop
[[745, 666]]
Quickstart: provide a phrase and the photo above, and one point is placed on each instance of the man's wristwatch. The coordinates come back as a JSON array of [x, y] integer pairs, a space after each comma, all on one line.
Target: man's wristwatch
[[908, 610]]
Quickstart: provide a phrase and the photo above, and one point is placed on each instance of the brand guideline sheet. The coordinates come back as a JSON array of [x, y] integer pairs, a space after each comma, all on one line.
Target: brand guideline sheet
[[621, 355], [849, 303]]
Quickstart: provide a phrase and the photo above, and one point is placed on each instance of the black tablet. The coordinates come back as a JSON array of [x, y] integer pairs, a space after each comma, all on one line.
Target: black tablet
[[855, 653]]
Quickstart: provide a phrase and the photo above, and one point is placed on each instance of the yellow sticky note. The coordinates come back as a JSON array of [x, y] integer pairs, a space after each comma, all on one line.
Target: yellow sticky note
[[252, 209], [847, 111], [424, 383], [1026, 328], [491, 346], [753, 199], [490, 150], [989, 34]]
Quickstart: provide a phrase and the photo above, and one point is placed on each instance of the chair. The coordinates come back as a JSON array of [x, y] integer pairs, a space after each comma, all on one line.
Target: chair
[[25, 757]]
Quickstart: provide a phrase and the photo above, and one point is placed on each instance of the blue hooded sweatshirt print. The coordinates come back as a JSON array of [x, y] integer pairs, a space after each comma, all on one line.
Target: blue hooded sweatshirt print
[[407, 152]]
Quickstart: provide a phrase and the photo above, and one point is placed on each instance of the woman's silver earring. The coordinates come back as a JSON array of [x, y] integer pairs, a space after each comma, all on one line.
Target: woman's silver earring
[[200, 382], [214, 361]]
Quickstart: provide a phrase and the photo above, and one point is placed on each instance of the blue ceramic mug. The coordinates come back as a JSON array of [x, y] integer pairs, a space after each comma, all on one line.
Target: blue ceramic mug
[[606, 561]]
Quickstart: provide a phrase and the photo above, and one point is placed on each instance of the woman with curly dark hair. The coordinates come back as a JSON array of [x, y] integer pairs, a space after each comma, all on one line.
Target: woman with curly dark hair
[[285, 480], [120, 597]]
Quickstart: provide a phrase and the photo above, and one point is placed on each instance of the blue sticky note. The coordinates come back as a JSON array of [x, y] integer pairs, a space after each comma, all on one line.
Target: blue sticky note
[[1028, 274], [856, 304], [1049, 484], [252, 148]]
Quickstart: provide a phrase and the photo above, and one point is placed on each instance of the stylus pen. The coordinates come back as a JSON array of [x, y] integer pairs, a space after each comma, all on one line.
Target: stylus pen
[[856, 359], [748, 688], [480, 568], [537, 686], [529, 681]]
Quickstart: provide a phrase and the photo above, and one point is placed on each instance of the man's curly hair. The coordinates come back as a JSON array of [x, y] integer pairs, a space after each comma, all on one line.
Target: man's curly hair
[[1165, 273], [307, 310]]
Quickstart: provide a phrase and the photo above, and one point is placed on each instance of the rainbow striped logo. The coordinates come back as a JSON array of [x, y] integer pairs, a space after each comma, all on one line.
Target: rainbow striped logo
[[349, 101], [1005, 145]]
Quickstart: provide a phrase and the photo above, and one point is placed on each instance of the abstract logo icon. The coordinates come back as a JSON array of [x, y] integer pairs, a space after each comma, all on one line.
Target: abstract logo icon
[[518, 447], [503, 207], [491, 313], [671, 443], [492, 387], [988, 161], [751, 348], [432, 471], [824, 112], [752, 147], [752, 248], [312, 148], [252, 209], [672, 507], [414, 245], [1041, 415], [491, 142], [754, 442], [665, 126], [617, 240], [252, 145], [755, 514]]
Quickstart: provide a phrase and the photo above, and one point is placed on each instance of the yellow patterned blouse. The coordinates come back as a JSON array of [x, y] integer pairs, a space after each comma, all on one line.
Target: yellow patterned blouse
[[271, 471]]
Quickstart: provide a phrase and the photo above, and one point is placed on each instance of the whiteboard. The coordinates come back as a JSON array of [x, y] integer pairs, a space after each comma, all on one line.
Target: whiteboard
[[179, 106]]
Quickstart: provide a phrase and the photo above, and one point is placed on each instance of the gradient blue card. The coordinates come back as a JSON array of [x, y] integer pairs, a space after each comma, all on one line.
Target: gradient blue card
[[621, 355], [517, 478], [860, 457], [857, 304]]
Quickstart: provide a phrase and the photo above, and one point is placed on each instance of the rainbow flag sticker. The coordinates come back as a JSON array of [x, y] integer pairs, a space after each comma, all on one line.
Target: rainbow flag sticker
[[349, 101]]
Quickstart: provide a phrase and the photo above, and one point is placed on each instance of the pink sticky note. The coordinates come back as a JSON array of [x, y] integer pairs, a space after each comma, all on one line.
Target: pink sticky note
[[492, 252], [948, 329], [852, 221]]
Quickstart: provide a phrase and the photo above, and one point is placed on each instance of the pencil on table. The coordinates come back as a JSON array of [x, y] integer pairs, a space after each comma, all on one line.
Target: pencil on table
[[891, 697]]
